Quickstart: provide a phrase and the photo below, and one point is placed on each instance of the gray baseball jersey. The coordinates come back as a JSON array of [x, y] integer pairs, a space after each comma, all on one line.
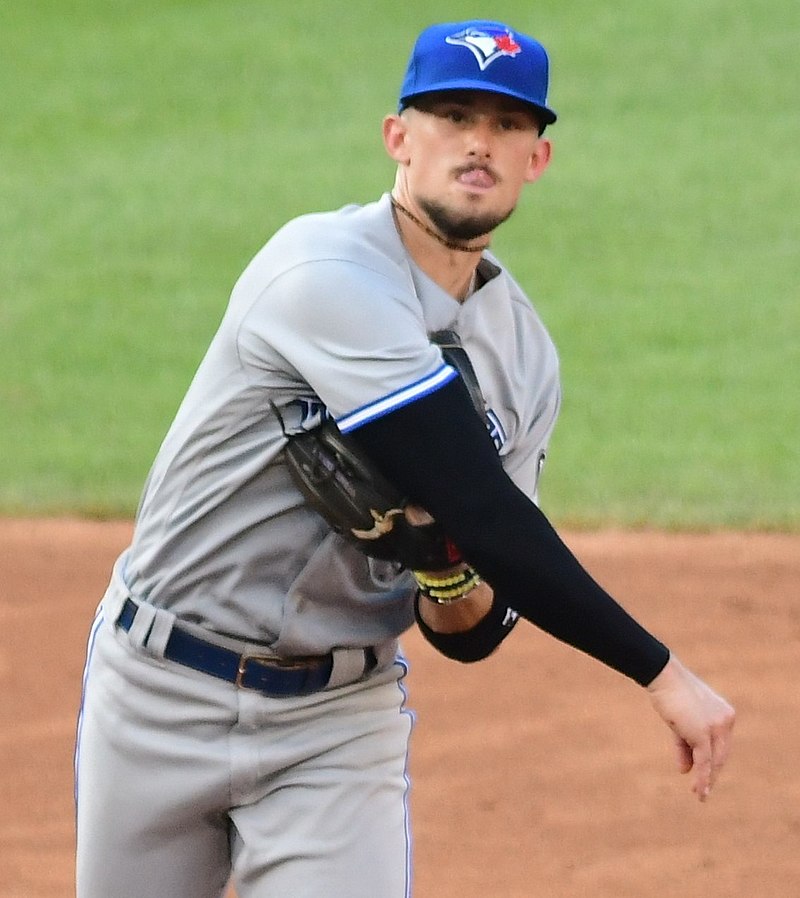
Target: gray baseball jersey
[[331, 314], [292, 791]]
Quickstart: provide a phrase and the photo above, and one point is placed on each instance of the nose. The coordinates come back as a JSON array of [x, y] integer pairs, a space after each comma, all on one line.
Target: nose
[[479, 139]]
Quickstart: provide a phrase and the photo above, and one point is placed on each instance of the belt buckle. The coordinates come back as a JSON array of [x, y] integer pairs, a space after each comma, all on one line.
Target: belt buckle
[[269, 661]]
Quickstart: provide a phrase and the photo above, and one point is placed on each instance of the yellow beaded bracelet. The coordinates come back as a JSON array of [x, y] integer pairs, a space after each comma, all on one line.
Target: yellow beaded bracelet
[[448, 596], [450, 589], [426, 580]]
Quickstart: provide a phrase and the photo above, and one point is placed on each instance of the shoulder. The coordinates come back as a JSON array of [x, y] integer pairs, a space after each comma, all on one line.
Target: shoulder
[[359, 234], [345, 261]]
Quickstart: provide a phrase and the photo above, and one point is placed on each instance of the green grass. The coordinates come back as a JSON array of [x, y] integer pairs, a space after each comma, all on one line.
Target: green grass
[[149, 149]]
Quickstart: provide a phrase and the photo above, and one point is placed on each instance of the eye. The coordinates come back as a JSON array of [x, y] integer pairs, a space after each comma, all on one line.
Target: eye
[[510, 123], [455, 114]]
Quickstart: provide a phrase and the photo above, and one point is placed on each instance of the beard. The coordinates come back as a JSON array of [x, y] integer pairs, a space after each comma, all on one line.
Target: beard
[[459, 227]]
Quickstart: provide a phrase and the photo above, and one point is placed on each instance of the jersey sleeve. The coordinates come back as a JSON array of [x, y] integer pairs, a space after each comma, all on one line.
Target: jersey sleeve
[[351, 333]]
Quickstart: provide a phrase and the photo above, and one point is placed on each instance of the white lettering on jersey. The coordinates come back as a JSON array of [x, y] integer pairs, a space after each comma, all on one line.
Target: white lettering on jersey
[[303, 414], [496, 430]]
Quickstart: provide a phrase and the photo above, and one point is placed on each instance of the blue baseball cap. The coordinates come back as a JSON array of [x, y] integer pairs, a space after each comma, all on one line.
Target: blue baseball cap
[[479, 55]]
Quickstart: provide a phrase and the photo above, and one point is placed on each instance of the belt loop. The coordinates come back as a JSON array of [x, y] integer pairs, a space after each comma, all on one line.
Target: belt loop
[[160, 631], [142, 625], [386, 653], [349, 665]]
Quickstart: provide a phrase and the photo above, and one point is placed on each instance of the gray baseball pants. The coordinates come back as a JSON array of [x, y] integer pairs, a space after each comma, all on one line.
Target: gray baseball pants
[[183, 781]]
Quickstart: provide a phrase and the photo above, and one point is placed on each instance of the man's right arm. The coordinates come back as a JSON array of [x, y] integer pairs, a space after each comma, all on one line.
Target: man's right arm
[[439, 452]]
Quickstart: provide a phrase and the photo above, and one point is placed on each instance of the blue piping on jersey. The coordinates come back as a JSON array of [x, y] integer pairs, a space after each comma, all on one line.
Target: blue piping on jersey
[[412, 720], [396, 400]]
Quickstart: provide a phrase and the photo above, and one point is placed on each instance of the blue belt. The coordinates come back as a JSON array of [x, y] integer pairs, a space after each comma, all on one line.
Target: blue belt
[[276, 677]]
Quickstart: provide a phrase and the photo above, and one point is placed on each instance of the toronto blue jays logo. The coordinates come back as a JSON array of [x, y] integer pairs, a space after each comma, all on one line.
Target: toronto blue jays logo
[[486, 44]]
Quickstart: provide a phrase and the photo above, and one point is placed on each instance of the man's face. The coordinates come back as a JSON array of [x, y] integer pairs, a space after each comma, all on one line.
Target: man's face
[[466, 157]]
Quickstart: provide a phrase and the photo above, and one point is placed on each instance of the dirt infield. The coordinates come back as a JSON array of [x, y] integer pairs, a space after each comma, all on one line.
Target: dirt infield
[[537, 774]]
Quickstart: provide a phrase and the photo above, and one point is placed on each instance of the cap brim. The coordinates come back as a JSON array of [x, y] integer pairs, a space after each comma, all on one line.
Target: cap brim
[[547, 115]]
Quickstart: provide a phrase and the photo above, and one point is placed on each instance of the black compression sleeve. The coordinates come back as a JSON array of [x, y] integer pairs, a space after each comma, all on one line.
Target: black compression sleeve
[[439, 452]]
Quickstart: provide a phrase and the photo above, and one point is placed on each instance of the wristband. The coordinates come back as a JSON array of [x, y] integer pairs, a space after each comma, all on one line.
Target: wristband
[[473, 644]]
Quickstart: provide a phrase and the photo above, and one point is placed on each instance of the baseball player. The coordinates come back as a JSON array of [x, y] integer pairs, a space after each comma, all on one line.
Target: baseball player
[[243, 712]]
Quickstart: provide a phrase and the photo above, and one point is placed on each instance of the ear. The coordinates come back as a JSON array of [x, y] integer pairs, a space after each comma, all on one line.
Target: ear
[[540, 159], [395, 131]]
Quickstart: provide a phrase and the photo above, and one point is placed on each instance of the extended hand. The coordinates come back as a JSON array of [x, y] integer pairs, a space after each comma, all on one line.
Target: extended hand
[[701, 720]]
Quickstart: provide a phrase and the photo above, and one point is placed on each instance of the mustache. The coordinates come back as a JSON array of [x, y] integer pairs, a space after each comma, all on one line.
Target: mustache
[[477, 166]]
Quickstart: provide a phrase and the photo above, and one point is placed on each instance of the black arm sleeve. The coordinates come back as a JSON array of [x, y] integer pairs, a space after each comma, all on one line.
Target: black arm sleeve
[[439, 452]]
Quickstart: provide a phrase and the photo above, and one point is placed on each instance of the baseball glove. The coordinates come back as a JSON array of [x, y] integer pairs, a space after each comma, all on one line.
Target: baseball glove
[[345, 487]]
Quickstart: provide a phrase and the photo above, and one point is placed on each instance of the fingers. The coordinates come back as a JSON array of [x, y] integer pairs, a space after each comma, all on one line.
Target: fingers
[[684, 754], [721, 736], [703, 768], [709, 755], [721, 739]]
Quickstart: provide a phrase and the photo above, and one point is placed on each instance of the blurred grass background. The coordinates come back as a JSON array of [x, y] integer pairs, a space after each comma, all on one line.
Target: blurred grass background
[[148, 149]]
